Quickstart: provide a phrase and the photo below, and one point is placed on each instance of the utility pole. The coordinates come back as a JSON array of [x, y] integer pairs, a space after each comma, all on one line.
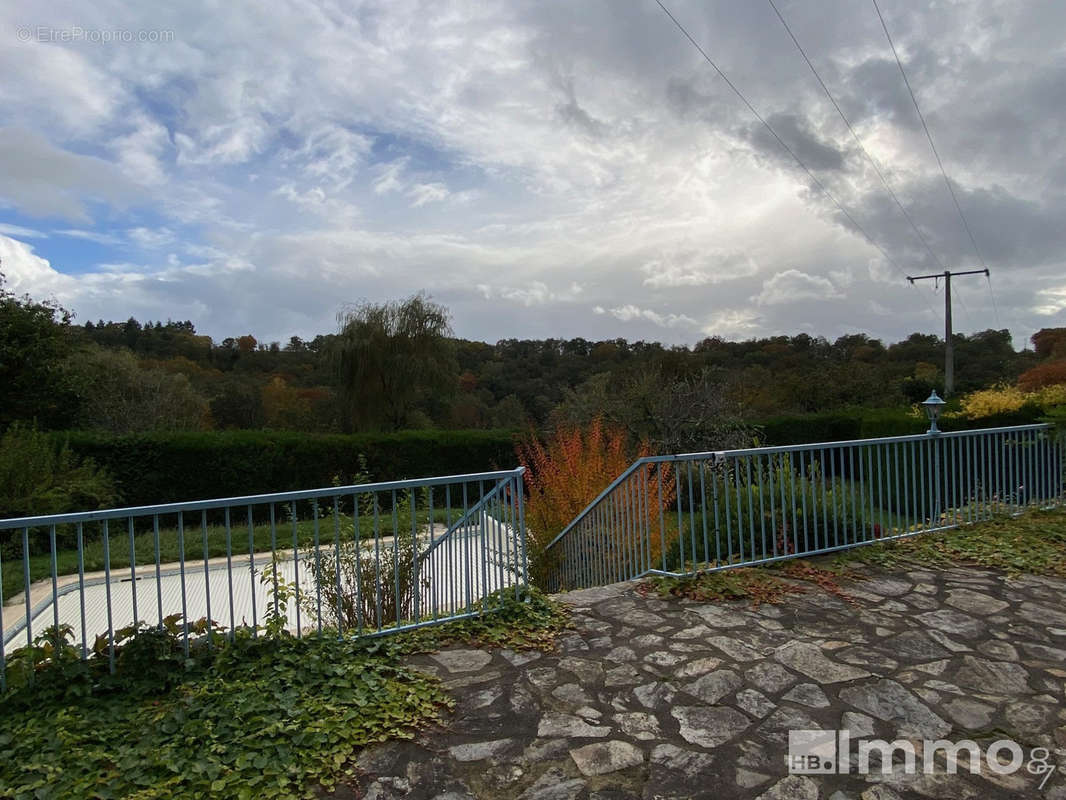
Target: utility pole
[[949, 346]]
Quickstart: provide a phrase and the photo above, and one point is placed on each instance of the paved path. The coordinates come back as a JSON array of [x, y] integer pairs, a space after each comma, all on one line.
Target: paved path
[[674, 699]]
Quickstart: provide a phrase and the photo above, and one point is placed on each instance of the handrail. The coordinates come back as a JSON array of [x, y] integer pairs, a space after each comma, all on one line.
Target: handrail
[[723, 454], [255, 499], [473, 509]]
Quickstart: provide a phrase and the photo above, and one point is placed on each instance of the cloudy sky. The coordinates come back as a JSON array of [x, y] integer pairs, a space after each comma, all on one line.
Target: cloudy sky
[[543, 168]]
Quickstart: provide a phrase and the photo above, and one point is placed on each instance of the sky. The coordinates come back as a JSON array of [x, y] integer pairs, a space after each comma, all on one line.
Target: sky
[[547, 168]]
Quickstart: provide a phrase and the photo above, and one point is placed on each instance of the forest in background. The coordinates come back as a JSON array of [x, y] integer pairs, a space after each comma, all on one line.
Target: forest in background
[[133, 376]]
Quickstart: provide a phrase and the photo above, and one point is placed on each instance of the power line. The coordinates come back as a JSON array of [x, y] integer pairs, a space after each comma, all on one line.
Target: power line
[[929, 136], [995, 305], [781, 141], [855, 136]]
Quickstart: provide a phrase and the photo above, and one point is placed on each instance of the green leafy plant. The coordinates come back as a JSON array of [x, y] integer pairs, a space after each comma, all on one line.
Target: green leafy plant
[[372, 582]]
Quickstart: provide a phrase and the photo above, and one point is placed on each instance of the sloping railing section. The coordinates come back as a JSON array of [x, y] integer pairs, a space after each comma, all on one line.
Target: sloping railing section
[[703, 511], [350, 560]]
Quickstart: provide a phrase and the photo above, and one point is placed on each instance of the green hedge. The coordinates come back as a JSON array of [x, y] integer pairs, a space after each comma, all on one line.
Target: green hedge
[[173, 467], [835, 426]]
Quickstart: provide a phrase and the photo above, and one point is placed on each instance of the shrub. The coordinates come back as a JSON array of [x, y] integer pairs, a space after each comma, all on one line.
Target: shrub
[[1052, 372], [564, 474], [363, 585], [40, 474], [781, 511]]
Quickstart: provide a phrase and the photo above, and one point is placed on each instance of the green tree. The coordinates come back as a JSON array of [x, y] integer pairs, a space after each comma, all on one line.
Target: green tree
[[34, 339], [393, 360], [121, 396]]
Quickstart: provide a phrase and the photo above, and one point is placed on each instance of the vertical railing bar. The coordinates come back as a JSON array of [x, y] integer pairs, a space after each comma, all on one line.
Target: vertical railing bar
[[133, 572], [274, 554], [717, 517], [792, 478], [855, 514], [158, 570], [680, 517], [360, 600], [229, 574], [110, 610], [662, 516], [465, 546], [207, 580], [483, 516], [377, 559], [433, 574], [900, 517], [81, 591], [703, 512], [337, 559], [871, 512], [804, 484], [318, 562], [55, 583], [834, 491], [251, 571], [520, 491], [184, 598], [296, 567], [881, 494], [691, 517], [773, 515], [923, 458], [26, 585], [751, 511], [735, 477], [416, 587], [450, 546]]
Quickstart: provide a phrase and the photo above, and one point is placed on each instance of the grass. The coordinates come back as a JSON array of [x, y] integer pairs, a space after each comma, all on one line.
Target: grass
[[1034, 542], [257, 718], [170, 551]]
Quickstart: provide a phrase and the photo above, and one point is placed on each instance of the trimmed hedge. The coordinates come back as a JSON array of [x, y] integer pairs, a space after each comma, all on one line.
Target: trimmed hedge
[[174, 467], [832, 426]]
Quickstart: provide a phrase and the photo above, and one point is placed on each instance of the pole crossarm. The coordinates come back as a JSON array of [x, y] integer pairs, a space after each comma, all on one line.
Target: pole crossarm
[[914, 278]]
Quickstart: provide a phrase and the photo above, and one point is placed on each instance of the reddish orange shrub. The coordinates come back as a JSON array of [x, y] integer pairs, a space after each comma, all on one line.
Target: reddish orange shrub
[[566, 472], [1047, 374]]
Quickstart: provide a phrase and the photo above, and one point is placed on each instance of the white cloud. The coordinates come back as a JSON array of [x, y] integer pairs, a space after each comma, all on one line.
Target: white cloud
[[89, 236], [629, 312], [149, 238], [21, 232], [422, 193], [792, 286], [535, 293]]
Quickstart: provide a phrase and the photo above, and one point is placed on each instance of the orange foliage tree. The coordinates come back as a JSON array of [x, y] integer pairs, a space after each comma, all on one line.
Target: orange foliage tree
[[565, 473], [1046, 374]]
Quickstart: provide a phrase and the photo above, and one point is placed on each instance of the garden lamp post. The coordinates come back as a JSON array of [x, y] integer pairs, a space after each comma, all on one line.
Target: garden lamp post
[[932, 405]]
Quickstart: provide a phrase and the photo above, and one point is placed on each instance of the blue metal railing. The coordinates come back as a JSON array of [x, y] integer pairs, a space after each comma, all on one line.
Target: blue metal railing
[[680, 514], [365, 559]]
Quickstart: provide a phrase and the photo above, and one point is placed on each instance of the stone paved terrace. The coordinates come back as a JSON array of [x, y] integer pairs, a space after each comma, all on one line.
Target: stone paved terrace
[[651, 698]]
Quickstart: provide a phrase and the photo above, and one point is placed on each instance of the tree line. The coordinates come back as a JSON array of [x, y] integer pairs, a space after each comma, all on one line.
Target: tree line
[[397, 365]]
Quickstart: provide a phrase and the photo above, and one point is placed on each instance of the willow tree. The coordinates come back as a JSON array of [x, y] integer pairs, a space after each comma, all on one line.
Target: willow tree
[[393, 360]]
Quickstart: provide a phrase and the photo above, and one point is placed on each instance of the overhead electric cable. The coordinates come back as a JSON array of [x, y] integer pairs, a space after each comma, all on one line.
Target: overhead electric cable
[[781, 141], [929, 136], [855, 136]]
